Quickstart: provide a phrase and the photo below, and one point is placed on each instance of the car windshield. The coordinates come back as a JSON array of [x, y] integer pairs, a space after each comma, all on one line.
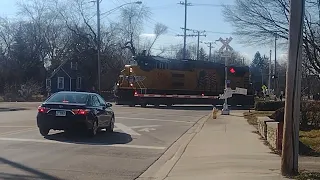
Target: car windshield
[[77, 98]]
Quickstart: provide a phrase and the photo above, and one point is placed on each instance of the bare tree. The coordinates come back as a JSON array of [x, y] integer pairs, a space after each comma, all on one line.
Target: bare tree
[[49, 28], [257, 21], [159, 30], [260, 21], [132, 18]]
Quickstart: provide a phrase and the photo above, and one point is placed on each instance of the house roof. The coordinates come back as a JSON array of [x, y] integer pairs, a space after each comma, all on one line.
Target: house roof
[[55, 71]]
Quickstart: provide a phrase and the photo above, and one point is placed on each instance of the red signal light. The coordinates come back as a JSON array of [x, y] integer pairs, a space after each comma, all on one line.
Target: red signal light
[[232, 70]]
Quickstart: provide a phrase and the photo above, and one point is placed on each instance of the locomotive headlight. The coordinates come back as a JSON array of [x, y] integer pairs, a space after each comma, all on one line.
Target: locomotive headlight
[[131, 70]]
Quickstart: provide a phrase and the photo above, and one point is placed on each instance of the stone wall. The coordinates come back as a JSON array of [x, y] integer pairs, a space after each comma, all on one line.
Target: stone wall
[[271, 131], [262, 126], [272, 134]]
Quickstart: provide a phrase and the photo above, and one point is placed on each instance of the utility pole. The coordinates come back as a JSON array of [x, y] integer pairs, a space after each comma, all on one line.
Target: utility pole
[[195, 35], [275, 64], [198, 46], [98, 46], [186, 4], [290, 143], [210, 48], [269, 77]]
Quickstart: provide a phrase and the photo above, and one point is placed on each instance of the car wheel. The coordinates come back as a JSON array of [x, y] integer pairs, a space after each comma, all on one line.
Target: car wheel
[[93, 131], [111, 125], [44, 131]]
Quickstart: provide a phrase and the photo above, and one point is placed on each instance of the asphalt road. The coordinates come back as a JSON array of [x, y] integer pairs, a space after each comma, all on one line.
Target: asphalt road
[[140, 137]]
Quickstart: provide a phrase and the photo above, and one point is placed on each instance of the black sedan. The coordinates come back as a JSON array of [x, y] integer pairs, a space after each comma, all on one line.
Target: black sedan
[[70, 110]]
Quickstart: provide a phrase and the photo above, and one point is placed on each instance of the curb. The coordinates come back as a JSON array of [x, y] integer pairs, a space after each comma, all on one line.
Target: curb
[[11, 109], [160, 169]]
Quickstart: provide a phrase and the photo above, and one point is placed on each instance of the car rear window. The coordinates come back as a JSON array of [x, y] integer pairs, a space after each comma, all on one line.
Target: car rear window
[[76, 98]]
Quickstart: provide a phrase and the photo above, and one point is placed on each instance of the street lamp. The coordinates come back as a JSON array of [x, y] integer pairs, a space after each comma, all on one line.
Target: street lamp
[[99, 36]]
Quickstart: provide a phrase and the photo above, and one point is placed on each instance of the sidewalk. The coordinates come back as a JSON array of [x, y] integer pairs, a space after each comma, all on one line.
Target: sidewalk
[[227, 149]]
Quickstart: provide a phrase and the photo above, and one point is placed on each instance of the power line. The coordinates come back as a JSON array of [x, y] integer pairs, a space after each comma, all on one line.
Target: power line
[[217, 32], [199, 33], [213, 5]]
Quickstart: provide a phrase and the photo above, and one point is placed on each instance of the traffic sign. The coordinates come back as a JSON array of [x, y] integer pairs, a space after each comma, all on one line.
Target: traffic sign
[[241, 91], [264, 87], [229, 92], [226, 54]]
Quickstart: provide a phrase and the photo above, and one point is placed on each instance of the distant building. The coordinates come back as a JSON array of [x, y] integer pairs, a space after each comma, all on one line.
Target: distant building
[[66, 77]]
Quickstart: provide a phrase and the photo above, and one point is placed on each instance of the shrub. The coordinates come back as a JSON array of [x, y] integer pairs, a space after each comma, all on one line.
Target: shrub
[[268, 106], [278, 115], [309, 117]]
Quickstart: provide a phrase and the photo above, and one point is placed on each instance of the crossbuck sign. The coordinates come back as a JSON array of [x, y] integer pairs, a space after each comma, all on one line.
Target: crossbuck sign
[[225, 44]]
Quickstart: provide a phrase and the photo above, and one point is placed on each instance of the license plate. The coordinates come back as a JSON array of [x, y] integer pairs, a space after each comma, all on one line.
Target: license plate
[[61, 113]]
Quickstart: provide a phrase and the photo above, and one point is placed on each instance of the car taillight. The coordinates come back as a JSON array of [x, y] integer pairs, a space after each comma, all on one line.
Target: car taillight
[[43, 109], [80, 111]]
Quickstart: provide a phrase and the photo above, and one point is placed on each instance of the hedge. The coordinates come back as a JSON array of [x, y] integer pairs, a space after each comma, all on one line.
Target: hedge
[[310, 115], [268, 105]]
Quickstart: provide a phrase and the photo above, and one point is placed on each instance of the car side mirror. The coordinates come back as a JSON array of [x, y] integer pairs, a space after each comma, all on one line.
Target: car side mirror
[[108, 105]]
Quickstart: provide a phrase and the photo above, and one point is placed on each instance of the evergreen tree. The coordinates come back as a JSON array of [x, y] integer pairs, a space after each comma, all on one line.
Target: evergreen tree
[[202, 55]]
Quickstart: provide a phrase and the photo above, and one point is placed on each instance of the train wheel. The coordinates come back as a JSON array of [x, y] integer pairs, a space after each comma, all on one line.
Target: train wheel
[[144, 105]]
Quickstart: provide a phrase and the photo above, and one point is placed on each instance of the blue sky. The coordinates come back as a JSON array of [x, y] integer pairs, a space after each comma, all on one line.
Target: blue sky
[[170, 13]]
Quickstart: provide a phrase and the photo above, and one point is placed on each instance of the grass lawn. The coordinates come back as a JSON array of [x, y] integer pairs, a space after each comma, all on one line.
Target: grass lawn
[[252, 117], [311, 139], [308, 175]]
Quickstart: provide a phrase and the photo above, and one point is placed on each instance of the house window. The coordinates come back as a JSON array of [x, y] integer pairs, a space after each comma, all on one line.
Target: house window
[[60, 82], [79, 82], [74, 65], [48, 83]]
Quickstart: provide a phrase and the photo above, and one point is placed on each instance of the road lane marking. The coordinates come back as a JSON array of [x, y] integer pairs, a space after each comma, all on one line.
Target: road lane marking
[[146, 119], [82, 143], [147, 129], [138, 127], [157, 114], [147, 126], [17, 132], [127, 129]]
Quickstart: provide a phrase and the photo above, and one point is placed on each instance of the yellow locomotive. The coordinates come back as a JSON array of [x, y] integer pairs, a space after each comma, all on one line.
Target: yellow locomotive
[[156, 80]]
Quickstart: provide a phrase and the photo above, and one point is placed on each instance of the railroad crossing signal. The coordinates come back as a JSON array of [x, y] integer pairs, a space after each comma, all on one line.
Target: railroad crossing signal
[[232, 70], [225, 44]]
